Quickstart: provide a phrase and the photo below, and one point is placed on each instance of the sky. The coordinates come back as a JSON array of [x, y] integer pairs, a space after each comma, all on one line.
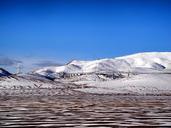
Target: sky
[[52, 32]]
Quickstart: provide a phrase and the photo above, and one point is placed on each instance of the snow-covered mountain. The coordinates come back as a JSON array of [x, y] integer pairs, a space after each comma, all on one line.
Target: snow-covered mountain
[[151, 74], [153, 60], [140, 62]]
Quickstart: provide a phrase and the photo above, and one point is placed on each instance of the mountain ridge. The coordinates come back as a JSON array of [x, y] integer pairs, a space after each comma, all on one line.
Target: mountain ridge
[[152, 61]]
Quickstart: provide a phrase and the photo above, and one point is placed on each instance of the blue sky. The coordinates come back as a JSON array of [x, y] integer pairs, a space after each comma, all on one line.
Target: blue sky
[[62, 30]]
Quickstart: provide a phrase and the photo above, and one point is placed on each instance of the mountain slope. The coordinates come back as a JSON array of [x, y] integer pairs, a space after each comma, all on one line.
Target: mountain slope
[[154, 60], [33, 85], [141, 62]]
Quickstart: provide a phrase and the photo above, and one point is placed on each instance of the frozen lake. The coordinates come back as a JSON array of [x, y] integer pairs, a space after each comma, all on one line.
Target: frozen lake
[[85, 110]]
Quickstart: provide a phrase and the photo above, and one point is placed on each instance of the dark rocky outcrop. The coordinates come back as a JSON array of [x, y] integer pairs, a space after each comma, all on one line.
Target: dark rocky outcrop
[[3, 72]]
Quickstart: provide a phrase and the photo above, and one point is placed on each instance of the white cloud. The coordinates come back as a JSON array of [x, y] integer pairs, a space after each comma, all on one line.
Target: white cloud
[[27, 64]]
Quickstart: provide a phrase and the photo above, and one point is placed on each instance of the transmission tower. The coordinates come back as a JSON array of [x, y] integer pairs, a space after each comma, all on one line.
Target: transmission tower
[[18, 69]]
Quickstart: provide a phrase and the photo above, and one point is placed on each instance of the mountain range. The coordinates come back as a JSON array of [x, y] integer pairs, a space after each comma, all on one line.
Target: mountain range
[[141, 73], [141, 62]]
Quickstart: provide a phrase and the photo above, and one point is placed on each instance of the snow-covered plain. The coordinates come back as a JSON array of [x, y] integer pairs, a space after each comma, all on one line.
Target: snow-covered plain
[[141, 84], [31, 85]]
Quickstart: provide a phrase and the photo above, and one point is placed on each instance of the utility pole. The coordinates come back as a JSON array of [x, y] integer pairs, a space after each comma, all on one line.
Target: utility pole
[[129, 72]]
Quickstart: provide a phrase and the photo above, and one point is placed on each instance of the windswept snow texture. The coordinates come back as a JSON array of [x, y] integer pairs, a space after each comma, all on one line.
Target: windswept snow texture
[[141, 62], [141, 84], [31, 85], [25, 82]]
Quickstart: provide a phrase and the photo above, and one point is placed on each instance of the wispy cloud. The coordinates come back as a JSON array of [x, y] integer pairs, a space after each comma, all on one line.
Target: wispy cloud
[[46, 63], [5, 61]]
